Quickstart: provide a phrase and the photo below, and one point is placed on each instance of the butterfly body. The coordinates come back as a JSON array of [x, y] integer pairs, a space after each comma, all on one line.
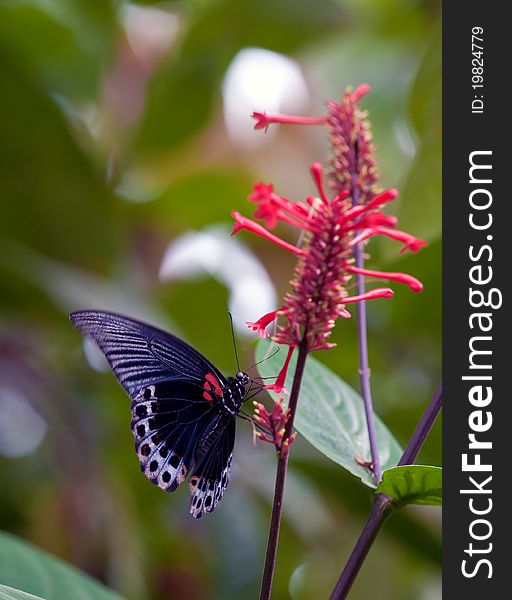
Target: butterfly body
[[234, 393], [183, 409]]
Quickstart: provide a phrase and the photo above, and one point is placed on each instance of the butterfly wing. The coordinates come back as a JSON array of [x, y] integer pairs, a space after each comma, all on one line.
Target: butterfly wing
[[211, 475], [176, 411], [168, 422], [140, 354]]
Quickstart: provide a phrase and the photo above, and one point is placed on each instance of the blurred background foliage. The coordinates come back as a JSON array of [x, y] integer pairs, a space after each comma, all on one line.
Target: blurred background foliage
[[126, 142]]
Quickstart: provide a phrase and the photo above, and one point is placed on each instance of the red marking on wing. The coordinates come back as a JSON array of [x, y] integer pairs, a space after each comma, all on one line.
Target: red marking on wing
[[210, 377], [207, 396]]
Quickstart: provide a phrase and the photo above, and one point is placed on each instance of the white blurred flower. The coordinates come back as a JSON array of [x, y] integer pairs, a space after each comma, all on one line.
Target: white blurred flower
[[22, 429], [214, 252], [260, 80]]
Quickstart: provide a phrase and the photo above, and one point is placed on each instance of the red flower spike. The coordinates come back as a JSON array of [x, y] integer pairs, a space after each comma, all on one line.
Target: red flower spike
[[333, 226], [347, 124]]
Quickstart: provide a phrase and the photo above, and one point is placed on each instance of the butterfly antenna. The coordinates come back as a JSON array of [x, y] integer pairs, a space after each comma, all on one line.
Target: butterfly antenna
[[234, 341], [263, 360]]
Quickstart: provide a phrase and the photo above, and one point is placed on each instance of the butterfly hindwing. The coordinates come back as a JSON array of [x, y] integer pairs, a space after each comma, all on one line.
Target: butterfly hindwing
[[168, 420], [140, 354], [211, 476]]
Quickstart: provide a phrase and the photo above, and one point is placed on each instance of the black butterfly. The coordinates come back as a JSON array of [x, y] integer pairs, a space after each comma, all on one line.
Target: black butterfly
[[183, 409]]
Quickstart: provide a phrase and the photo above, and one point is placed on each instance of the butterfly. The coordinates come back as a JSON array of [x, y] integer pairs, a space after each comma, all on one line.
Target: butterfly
[[183, 409]]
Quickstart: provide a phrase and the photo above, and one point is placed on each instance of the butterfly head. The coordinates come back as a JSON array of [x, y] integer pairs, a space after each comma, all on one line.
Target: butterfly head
[[243, 378]]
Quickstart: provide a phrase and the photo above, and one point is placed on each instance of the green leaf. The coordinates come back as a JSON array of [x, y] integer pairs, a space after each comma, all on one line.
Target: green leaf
[[9, 593], [413, 484], [25, 566], [330, 415]]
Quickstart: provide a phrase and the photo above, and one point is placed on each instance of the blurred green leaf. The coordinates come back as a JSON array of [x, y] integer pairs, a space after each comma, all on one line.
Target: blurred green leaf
[[416, 535], [53, 200], [182, 95], [419, 208], [25, 566], [413, 484], [77, 38], [33, 281], [425, 101], [9, 593], [409, 18], [330, 415], [198, 199]]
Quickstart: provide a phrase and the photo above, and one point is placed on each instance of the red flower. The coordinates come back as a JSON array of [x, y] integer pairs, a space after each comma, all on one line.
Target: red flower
[[272, 425], [244, 223], [278, 385], [263, 121], [260, 326], [261, 192]]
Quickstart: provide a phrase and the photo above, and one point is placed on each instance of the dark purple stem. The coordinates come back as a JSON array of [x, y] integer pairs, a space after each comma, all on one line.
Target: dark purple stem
[[424, 426], [364, 366], [282, 465], [364, 369], [381, 509], [382, 505]]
